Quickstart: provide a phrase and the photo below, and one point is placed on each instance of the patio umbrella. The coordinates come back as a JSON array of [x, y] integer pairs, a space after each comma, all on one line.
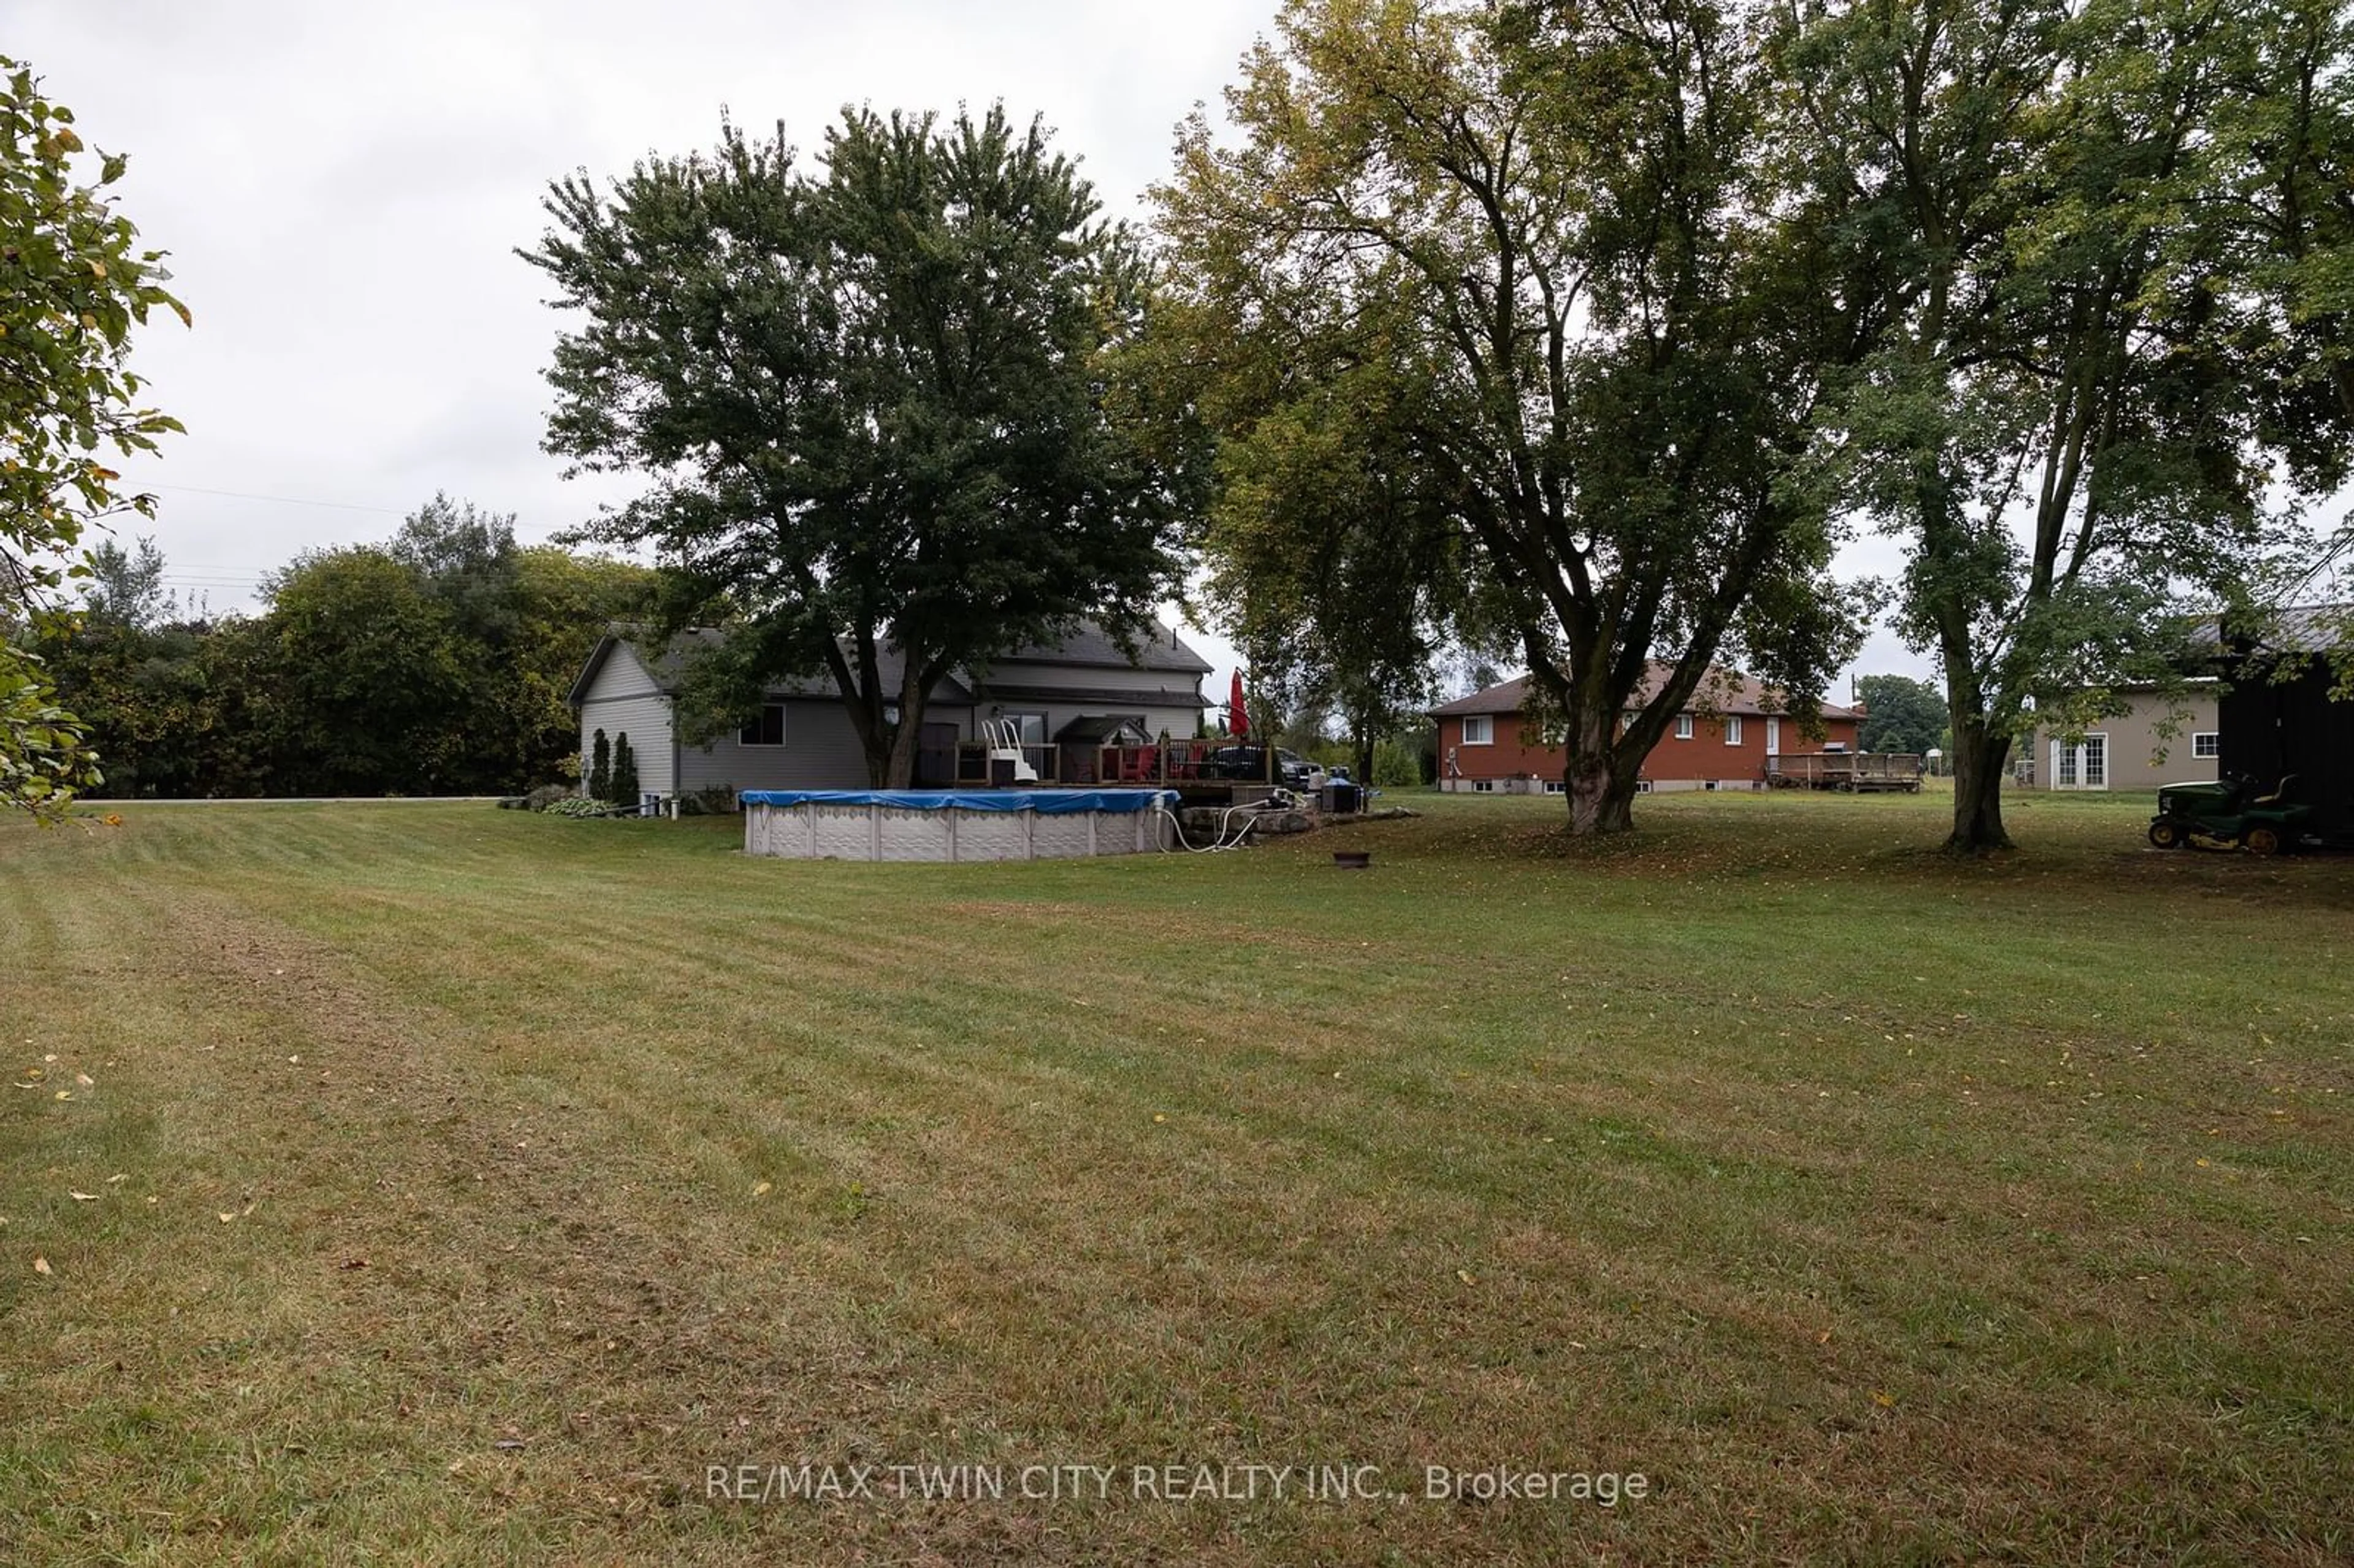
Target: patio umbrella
[[1237, 717]]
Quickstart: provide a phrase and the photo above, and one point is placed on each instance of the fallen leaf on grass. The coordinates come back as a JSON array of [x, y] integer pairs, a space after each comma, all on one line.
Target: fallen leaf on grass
[[1884, 1401], [508, 1445], [65, 1093], [82, 1197], [40, 1265], [227, 1217], [761, 1189], [85, 1080], [1465, 1275], [111, 1181]]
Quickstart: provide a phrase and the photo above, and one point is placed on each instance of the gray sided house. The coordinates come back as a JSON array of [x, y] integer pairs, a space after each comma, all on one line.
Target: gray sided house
[[2127, 750], [1063, 701]]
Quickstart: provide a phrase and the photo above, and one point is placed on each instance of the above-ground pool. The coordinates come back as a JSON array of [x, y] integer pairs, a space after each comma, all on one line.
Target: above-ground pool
[[954, 824]]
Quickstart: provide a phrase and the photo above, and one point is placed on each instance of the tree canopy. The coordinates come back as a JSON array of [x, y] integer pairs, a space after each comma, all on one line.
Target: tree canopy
[[438, 662], [74, 281], [1512, 295], [1900, 713], [2114, 338], [875, 404]]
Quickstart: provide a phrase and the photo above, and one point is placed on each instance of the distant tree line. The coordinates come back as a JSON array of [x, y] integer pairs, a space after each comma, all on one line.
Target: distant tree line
[[1901, 714], [437, 663]]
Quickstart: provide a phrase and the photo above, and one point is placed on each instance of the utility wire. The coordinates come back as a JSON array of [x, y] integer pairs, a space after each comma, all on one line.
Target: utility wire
[[281, 500]]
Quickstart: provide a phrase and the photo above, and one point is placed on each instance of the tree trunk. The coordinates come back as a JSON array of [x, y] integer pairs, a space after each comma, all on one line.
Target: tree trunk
[[899, 765], [904, 738], [1600, 789], [1978, 759]]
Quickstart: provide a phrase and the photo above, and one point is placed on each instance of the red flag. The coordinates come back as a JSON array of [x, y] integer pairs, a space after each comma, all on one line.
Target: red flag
[[1237, 717]]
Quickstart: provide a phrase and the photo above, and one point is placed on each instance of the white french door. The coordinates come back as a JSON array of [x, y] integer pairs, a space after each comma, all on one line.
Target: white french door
[[2083, 765]]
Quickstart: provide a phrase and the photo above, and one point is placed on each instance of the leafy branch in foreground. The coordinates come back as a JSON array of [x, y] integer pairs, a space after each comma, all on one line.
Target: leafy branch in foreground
[[73, 283]]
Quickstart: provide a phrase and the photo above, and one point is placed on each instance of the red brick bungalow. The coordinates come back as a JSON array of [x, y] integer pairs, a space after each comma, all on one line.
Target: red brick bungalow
[[1721, 742]]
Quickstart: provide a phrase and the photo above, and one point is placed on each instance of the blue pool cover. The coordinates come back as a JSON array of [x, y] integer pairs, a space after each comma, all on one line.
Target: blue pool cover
[[1046, 802]]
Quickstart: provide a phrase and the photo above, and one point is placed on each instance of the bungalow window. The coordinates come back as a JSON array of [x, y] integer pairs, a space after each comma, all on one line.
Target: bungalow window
[[1483, 786], [1732, 729], [768, 730], [2206, 743], [1479, 729], [1683, 726]]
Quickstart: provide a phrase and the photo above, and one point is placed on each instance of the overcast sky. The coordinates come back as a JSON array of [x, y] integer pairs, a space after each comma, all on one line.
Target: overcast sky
[[342, 188]]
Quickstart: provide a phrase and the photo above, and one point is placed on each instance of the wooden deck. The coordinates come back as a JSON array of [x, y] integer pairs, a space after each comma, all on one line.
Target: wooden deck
[[1194, 769], [1856, 773]]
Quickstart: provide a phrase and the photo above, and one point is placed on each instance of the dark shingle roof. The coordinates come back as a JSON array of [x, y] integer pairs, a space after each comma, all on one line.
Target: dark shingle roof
[[667, 665], [2300, 629], [1089, 647], [1091, 644]]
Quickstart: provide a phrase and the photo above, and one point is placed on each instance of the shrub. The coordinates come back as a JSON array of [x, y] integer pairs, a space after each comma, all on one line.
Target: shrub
[[545, 797], [1396, 764], [600, 769], [719, 800], [624, 791]]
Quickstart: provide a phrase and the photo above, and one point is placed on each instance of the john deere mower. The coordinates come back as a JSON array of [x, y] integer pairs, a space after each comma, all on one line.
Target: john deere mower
[[2230, 814]]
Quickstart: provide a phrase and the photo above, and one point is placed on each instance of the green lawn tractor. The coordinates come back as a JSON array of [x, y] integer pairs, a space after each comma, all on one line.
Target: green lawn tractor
[[2230, 814]]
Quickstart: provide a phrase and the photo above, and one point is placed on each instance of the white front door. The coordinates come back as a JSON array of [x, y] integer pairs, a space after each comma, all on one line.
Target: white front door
[[1773, 737]]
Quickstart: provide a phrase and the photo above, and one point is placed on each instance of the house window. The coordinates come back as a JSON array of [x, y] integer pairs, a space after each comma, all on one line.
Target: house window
[[768, 730], [1732, 729], [1030, 728], [1683, 726], [1479, 729], [1483, 786], [2206, 743], [1555, 785]]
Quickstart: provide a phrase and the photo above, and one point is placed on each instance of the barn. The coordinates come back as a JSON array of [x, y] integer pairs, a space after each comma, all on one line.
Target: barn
[[2282, 717]]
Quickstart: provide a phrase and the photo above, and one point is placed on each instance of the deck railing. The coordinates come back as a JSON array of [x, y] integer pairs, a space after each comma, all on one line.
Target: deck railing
[[977, 767], [1853, 770]]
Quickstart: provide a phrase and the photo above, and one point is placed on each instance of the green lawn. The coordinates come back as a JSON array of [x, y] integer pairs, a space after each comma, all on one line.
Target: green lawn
[[467, 1184]]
